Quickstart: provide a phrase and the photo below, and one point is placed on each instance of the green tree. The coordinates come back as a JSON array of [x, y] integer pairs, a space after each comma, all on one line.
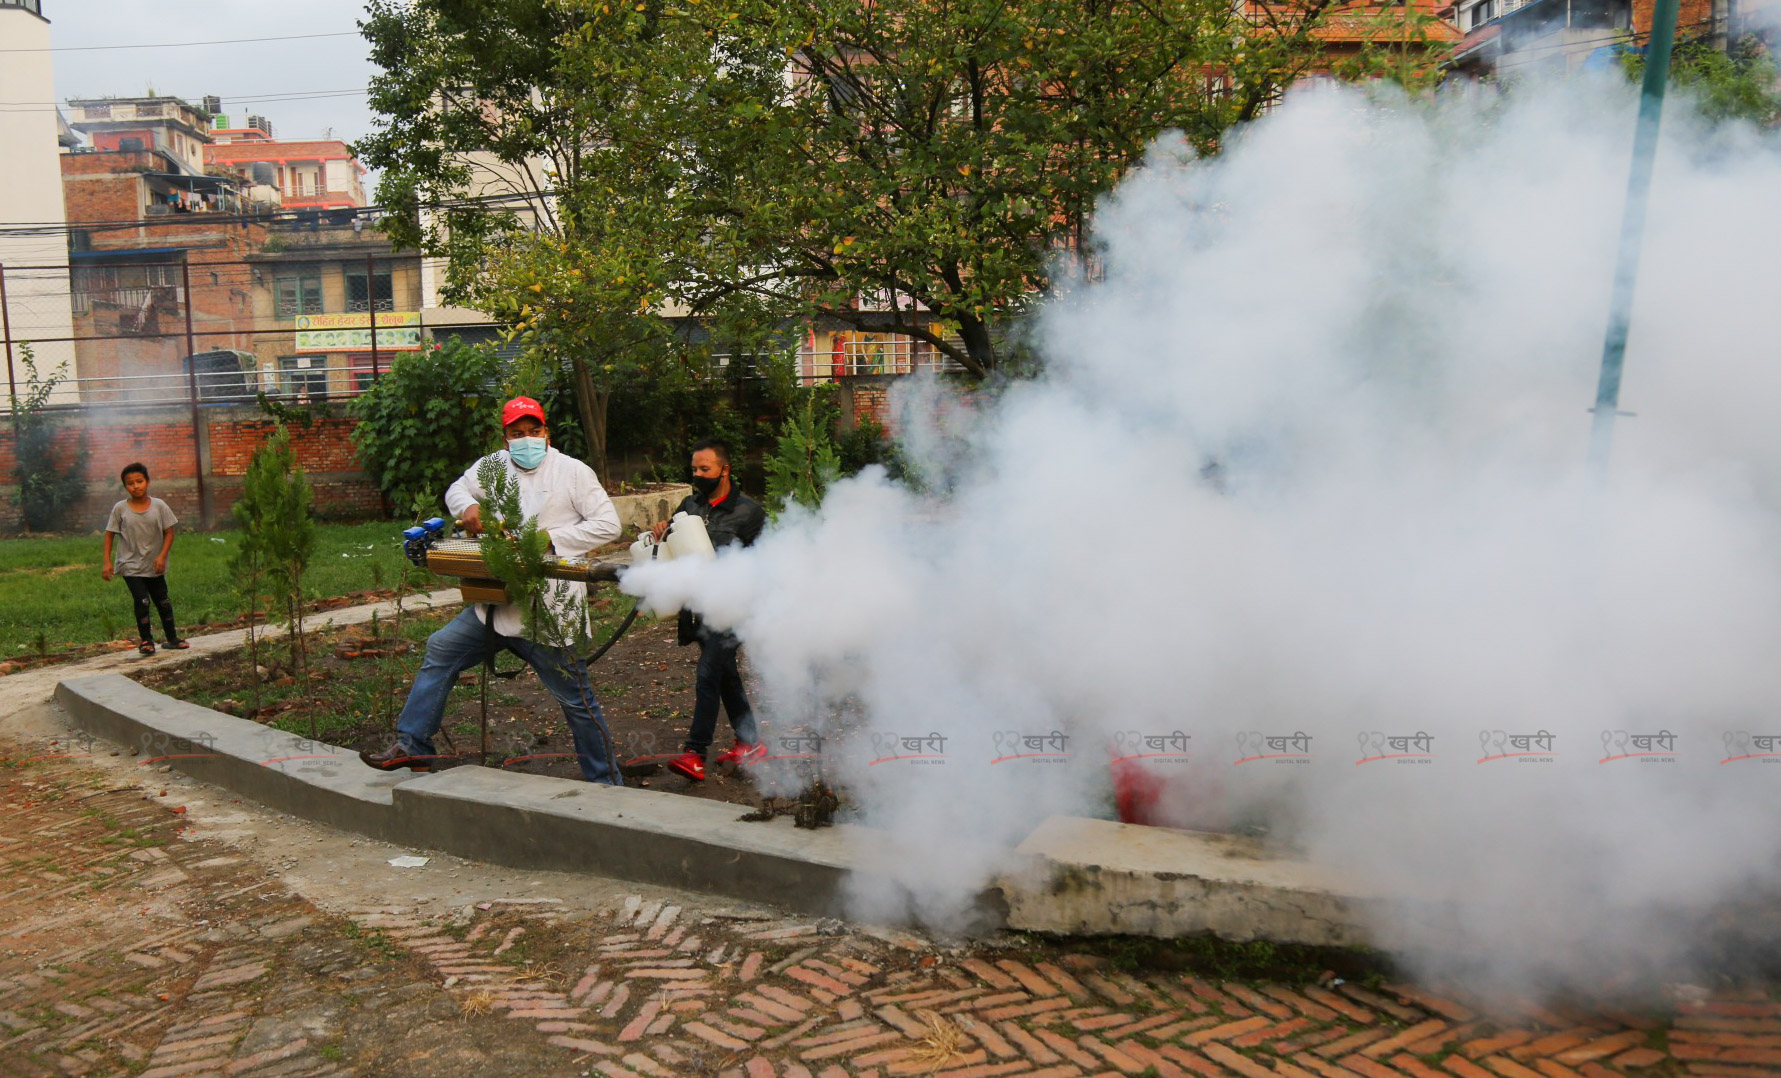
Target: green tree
[[278, 538], [1738, 83], [934, 160], [49, 480], [497, 118], [805, 461], [747, 163], [429, 413], [248, 567]]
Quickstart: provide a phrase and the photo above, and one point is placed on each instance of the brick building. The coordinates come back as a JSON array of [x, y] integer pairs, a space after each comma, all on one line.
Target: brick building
[[319, 174], [318, 285], [131, 268], [1349, 28], [1523, 38]]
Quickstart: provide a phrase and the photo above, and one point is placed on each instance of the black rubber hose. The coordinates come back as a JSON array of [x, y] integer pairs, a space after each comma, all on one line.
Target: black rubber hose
[[616, 633]]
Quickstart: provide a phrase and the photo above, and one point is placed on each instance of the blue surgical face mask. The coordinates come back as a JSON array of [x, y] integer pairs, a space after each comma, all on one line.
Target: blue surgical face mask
[[528, 453]]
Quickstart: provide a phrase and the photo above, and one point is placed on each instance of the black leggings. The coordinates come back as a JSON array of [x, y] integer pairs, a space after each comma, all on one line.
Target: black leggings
[[144, 589]]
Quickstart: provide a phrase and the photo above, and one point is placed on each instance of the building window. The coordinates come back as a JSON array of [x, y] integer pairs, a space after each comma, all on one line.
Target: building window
[[299, 295], [304, 378], [360, 298], [363, 374]]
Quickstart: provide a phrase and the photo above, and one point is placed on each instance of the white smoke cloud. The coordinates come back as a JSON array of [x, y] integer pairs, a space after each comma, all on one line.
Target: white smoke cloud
[[1310, 457]]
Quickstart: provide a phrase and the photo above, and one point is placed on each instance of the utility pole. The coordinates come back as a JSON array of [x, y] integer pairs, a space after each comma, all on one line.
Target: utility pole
[[371, 306], [185, 271], [1632, 232], [12, 386]]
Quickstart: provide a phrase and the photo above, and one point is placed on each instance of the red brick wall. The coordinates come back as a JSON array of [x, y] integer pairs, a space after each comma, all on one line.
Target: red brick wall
[[1692, 17], [161, 438], [102, 197], [324, 446], [873, 404]]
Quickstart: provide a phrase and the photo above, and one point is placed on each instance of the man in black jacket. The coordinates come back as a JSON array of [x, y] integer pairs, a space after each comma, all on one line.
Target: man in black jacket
[[730, 517]]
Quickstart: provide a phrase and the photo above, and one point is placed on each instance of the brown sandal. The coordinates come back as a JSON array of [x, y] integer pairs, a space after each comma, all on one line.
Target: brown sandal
[[147, 647]]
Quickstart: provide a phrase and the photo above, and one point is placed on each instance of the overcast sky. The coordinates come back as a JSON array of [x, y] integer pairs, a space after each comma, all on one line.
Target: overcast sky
[[235, 72]]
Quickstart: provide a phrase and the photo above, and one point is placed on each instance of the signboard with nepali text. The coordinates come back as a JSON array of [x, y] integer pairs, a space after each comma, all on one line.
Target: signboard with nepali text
[[396, 331]]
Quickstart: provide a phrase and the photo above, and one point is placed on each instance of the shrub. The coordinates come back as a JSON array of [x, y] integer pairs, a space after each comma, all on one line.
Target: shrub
[[868, 443], [426, 417], [46, 486]]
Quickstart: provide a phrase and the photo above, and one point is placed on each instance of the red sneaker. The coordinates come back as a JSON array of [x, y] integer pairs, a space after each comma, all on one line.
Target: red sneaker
[[690, 764], [739, 754]]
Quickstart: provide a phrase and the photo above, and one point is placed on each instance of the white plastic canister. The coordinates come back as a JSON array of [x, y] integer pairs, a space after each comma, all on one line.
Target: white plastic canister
[[687, 537], [644, 551]]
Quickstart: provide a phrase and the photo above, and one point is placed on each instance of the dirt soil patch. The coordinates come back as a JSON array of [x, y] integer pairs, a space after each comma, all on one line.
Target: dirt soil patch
[[359, 678]]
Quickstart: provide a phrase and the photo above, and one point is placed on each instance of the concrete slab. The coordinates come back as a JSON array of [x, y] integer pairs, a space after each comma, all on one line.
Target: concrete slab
[[292, 774], [1096, 877]]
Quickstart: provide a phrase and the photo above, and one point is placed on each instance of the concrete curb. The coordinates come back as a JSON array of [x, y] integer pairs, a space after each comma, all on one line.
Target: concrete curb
[[522, 821], [1071, 876], [282, 771]]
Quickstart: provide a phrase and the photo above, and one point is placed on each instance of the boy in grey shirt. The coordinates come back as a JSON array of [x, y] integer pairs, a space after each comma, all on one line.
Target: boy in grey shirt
[[144, 529]]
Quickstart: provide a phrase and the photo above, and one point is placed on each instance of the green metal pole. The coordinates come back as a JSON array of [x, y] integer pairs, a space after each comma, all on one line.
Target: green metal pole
[[1632, 230]]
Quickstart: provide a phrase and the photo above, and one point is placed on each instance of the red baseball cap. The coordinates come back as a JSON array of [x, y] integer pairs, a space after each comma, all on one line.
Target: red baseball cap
[[520, 407]]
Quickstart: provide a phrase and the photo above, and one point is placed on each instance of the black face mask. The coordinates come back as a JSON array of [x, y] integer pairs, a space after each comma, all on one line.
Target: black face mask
[[706, 485]]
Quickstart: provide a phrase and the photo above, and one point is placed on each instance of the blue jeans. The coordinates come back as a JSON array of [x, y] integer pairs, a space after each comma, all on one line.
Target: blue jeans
[[719, 681], [461, 644]]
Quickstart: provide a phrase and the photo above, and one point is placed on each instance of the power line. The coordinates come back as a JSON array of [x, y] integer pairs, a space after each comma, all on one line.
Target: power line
[[312, 97], [298, 216], [185, 44], [281, 95]]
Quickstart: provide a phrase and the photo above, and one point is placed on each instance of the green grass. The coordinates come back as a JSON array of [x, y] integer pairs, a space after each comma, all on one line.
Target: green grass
[[51, 587]]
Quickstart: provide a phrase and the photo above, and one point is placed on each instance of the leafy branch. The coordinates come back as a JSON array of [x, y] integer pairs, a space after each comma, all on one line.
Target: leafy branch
[[555, 611]]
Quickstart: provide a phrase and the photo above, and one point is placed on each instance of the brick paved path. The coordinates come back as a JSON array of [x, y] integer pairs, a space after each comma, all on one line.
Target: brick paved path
[[662, 993], [127, 950]]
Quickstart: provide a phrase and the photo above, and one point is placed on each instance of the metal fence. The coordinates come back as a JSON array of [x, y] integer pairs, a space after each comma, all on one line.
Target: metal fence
[[131, 331], [176, 332]]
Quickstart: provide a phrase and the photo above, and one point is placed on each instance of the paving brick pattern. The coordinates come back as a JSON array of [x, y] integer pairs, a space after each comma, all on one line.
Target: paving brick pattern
[[664, 991], [103, 971], [122, 953]]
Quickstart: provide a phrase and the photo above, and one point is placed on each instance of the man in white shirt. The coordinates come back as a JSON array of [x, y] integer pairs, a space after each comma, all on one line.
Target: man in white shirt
[[572, 509]]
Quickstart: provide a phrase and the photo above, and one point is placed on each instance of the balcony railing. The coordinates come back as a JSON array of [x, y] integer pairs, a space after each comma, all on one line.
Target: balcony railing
[[858, 358]]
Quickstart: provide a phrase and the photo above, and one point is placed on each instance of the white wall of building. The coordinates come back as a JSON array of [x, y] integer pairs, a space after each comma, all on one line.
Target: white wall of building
[[31, 191], [341, 176]]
